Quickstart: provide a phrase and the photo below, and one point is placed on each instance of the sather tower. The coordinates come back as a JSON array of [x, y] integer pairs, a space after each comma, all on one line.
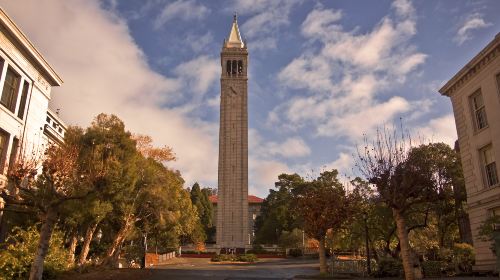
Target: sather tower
[[232, 208]]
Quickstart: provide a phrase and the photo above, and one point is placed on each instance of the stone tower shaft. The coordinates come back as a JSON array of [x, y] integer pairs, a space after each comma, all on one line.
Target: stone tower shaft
[[232, 209]]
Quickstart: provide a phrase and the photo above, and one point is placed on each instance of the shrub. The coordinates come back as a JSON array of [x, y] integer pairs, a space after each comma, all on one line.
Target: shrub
[[21, 246], [234, 258], [464, 256], [258, 251], [247, 258], [389, 267], [458, 259], [432, 268], [222, 258], [133, 253], [295, 252], [196, 252]]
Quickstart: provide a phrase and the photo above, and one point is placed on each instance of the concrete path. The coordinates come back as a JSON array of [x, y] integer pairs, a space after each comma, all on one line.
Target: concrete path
[[267, 269], [201, 269]]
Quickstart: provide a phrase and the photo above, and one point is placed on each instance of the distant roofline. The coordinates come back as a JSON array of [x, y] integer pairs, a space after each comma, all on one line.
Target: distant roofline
[[53, 78], [472, 67]]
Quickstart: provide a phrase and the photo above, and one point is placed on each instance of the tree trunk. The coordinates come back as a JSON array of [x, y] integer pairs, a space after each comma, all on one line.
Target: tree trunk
[[43, 244], [465, 229], [89, 234], [463, 226], [111, 254], [405, 244], [72, 247], [323, 267]]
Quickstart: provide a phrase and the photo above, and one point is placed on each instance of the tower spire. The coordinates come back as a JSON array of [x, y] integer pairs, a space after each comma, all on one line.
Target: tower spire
[[234, 40]]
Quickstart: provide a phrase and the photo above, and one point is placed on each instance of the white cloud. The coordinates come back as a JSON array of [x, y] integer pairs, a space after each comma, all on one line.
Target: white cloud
[[441, 129], [404, 8], [344, 164], [105, 71], [471, 23], [318, 20], [199, 74], [266, 18], [346, 75], [264, 174], [182, 9], [357, 123], [293, 147], [199, 43]]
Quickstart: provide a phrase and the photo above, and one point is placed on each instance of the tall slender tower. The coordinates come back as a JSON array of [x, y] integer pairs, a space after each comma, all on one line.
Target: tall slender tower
[[232, 207]]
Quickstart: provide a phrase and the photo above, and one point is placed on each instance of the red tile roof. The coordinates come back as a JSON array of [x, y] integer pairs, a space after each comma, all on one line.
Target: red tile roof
[[251, 199]]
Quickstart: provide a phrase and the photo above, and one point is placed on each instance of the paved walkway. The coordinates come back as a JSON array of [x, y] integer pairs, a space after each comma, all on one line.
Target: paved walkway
[[267, 269], [201, 269]]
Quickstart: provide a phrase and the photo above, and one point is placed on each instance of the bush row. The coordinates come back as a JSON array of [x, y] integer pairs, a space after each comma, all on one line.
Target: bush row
[[234, 258]]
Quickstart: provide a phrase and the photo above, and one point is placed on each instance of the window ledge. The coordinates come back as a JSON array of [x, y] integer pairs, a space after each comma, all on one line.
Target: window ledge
[[494, 186], [9, 112], [477, 131]]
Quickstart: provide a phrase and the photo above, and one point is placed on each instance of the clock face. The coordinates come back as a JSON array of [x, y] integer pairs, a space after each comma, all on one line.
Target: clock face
[[233, 91]]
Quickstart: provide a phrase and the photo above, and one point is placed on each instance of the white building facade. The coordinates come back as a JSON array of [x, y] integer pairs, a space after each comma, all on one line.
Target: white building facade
[[26, 79], [475, 95]]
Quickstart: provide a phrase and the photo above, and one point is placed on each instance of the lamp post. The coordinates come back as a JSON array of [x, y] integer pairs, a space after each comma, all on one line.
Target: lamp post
[[367, 244]]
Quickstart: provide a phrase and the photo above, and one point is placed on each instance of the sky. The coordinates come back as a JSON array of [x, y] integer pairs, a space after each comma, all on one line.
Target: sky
[[322, 74]]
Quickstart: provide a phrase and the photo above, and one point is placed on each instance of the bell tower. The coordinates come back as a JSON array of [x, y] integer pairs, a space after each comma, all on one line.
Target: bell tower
[[232, 208]]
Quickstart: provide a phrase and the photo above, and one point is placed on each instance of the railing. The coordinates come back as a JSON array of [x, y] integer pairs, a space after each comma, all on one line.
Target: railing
[[343, 266]]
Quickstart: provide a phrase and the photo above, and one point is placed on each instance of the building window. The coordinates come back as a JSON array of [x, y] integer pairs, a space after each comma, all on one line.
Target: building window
[[24, 97], [478, 109], [10, 89], [498, 83], [489, 165], [13, 153], [4, 139]]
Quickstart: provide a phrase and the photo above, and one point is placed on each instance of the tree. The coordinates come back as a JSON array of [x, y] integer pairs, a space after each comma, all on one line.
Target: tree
[[402, 179], [276, 215], [199, 198], [291, 239], [57, 184], [448, 204], [17, 256], [324, 204]]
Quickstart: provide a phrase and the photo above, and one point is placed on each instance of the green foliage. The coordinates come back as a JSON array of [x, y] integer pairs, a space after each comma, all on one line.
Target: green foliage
[[295, 252], [247, 258], [222, 258], [16, 259], [291, 239], [199, 198], [276, 215], [389, 267], [432, 268], [487, 227], [133, 253], [324, 203], [464, 256], [234, 258], [458, 259]]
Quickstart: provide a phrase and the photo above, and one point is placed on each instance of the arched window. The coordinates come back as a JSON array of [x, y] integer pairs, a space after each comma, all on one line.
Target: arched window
[[234, 67], [228, 67], [240, 67]]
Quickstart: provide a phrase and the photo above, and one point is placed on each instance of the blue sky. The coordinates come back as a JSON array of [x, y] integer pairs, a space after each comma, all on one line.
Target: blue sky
[[322, 73]]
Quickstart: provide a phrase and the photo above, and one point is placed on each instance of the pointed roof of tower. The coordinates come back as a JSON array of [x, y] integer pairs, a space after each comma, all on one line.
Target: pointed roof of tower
[[234, 40]]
